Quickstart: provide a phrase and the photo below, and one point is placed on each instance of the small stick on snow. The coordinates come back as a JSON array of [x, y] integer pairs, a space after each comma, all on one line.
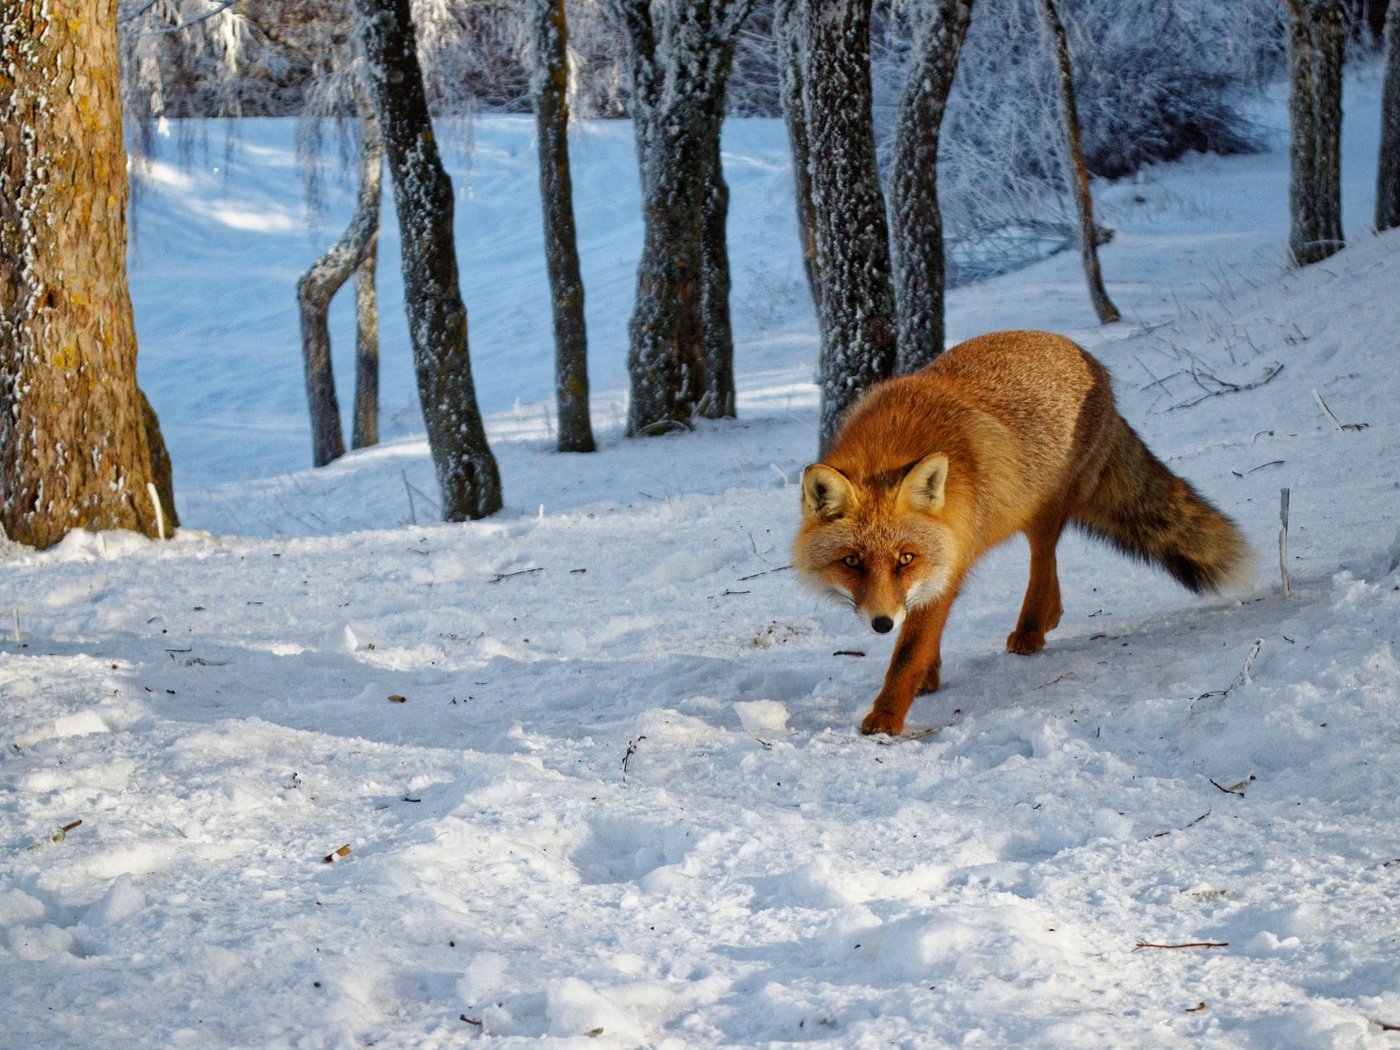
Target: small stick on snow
[[1283, 543], [518, 572], [1240, 679], [412, 514], [1164, 834], [765, 572], [160, 514], [1188, 944], [631, 750], [1332, 416]]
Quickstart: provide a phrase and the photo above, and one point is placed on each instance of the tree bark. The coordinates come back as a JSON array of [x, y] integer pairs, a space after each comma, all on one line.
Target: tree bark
[[717, 401], [680, 348], [1076, 171], [919, 265], [852, 236], [1388, 171], [353, 254], [75, 450], [789, 28], [365, 428], [437, 318], [550, 83], [1316, 47]]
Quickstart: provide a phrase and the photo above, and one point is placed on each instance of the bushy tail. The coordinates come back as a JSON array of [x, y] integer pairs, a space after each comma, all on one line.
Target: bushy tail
[[1146, 511]]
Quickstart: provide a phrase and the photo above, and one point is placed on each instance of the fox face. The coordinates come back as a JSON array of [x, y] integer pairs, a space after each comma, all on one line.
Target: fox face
[[878, 543]]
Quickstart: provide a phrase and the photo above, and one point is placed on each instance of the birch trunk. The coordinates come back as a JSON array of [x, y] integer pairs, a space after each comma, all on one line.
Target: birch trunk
[[1076, 171], [354, 254], [1388, 171], [1316, 46], [852, 236], [919, 265], [437, 318]]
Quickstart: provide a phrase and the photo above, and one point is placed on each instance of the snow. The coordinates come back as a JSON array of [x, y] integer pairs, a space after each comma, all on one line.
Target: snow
[[621, 801]]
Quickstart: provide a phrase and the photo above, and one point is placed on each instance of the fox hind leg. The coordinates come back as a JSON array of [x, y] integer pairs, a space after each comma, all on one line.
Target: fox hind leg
[[1041, 610]]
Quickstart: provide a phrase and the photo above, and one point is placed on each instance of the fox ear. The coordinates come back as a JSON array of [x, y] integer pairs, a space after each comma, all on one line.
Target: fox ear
[[922, 487], [826, 492]]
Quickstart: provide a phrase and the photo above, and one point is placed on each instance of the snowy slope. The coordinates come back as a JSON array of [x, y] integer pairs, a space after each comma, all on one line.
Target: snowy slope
[[595, 758]]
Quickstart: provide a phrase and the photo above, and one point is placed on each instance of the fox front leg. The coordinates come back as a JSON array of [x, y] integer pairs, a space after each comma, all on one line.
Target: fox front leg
[[914, 667]]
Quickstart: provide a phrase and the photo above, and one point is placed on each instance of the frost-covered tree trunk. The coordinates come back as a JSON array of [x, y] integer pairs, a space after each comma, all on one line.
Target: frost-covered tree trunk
[[76, 433], [353, 254], [790, 38], [917, 222], [1316, 47], [549, 37], [1076, 171], [437, 318], [856, 313], [364, 430], [717, 400], [1388, 173], [680, 57]]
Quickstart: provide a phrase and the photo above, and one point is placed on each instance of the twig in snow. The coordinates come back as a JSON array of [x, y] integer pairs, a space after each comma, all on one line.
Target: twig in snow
[[160, 514], [1224, 386], [1196, 1009], [62, 833], [1261, 466], [1385, 1026], [631, 750], [330, 857], [848, 652], [1283, 543], [1164, 834], [1240, 679], [1332, 416], [1188, 944], [412, 514], [765, 572], [518, 572], [1233, 789]]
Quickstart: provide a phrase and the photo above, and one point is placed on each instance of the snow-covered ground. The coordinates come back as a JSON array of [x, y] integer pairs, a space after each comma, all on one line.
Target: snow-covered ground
[[594, 760]]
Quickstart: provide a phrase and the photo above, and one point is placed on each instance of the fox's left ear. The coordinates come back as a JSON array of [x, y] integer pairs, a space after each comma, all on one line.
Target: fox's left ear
[[922, 487]]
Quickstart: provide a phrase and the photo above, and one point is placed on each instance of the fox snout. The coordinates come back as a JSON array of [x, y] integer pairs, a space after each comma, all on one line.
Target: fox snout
[[882, 625]]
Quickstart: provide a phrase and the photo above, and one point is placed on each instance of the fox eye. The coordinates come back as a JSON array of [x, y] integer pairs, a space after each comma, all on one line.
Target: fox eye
[[853, 560], [906, 557]]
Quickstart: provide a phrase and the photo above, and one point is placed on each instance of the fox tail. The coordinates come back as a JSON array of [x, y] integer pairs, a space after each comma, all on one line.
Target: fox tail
[[1149, 513]]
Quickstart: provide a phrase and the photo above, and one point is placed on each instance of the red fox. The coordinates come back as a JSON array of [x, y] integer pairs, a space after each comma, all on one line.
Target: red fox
[[1005, 433]]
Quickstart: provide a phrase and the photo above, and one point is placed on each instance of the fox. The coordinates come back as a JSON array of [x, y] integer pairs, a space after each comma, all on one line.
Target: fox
[[1010, 432]]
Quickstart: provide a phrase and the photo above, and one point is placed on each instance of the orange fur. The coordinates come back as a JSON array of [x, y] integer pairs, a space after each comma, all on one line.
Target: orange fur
[[1009, 432]]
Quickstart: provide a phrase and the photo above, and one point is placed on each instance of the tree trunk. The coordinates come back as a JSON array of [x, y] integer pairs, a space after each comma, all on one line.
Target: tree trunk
[[917, 221], [437, 318], [74, 444], [718, 399], [550, 81], [1388, 172], [852, 236], [365, 428], [680, 349], [353, 254], [1316, 47], [790, 31], [1076, 171]]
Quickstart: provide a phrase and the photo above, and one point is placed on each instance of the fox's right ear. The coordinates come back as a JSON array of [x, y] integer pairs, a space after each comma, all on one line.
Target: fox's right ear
[[826, 492]]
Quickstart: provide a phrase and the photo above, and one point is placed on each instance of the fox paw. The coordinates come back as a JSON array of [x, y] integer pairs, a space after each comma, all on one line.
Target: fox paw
[[1025, 642], [882, 722]]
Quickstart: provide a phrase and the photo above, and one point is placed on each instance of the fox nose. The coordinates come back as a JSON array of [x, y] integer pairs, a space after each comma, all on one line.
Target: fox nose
[[882, 624]]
